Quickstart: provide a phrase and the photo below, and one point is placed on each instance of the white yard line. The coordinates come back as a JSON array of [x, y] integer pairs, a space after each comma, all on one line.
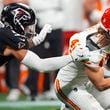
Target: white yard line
[[21, 104]]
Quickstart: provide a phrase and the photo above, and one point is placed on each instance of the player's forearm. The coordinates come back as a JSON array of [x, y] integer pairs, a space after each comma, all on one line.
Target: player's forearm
[[55, 63], [104, 84], [48, 64], [97, 78]]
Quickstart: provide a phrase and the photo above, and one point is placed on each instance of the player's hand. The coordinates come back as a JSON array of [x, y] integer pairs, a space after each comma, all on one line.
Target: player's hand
[[97, 58], [80, 53], [47, 28], [42, 35]]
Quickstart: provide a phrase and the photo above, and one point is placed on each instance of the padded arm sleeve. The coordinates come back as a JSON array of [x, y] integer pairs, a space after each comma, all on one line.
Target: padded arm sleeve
[[49, 64]]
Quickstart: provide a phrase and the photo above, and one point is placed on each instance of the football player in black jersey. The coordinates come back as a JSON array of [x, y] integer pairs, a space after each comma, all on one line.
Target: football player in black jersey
[[17, 34]]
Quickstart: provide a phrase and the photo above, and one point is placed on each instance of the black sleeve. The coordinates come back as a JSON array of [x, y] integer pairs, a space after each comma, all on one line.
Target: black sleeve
[[10, 38], [5, 59]]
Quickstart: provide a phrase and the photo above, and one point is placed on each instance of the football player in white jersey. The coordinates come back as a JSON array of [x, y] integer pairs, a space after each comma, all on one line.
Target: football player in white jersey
[[91, 50]]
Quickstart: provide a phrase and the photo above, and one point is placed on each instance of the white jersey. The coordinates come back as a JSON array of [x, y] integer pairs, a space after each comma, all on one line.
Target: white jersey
[[72, 86], [71, 83], [74, 72]]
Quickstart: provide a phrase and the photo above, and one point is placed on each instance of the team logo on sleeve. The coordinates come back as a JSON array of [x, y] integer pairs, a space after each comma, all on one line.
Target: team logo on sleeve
[[73, 44], [21, 45], [20, 14]]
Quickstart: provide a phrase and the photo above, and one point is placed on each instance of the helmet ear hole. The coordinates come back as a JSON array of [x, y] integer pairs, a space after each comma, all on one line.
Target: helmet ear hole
[[17, 16]]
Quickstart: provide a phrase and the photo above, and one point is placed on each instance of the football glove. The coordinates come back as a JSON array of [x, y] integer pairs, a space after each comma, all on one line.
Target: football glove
[[80, 53], [42, 35]]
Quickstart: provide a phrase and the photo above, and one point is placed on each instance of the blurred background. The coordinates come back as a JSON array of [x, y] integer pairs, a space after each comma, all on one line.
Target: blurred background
[[24, 89]]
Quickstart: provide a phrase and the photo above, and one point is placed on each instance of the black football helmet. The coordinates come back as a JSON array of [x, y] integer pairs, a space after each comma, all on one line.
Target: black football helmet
[[18, 16]]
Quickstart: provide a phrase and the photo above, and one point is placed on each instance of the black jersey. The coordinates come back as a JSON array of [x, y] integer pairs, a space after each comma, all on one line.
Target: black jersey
[[9, 38]]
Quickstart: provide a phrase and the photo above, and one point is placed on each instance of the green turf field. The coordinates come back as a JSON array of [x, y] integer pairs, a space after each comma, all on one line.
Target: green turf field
[[24, 104], [31, 108]]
